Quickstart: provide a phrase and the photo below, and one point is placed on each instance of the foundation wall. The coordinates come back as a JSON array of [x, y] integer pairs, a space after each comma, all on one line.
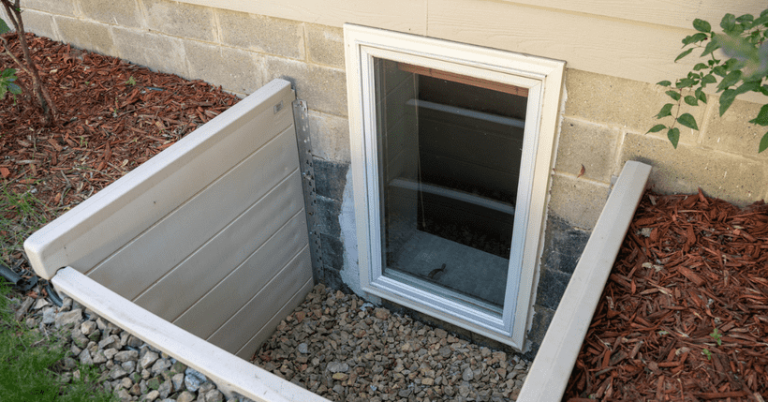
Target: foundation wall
[[608, 103]]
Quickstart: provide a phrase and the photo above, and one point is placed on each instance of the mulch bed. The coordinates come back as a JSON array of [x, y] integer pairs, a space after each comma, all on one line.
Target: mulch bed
[[113, 116], [684, 315]]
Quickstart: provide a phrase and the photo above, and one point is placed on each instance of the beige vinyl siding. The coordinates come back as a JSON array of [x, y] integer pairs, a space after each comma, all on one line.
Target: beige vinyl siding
[[630, 39]]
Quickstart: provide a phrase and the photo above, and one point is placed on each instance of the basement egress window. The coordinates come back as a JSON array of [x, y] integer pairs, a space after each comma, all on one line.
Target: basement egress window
[[451, 147]]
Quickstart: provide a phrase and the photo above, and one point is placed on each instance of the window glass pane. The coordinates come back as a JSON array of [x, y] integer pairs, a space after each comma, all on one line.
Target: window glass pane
[[449, 151]]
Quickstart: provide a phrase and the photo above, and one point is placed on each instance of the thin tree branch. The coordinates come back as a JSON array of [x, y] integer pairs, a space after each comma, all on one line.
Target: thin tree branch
[[29, 66]]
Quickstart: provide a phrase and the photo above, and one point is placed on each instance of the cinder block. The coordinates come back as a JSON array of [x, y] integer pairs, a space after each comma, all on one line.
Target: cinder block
[[40, 24], [323, 88], [156, 51], [325, 45], [563, 246], [181, 19], [577, 201], [621, 102], [328, 216], [275, 36], [552, 284], [732, 132], [330, 137], [124, 13], [541, 318], [330, 178], [587, 144], [86, 35], [60, 7], [332, 250], [733, 178], [234, 69]]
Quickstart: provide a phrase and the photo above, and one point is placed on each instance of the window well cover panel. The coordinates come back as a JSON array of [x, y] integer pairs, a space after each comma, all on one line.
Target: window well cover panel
[[168, 234]]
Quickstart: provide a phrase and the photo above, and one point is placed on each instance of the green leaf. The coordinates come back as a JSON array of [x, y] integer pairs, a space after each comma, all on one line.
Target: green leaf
[[711, 47], [702, 26], [691, 100], [656, 128], [728, 23], [708, 79], [730, 79], [664, 83], [674, 136], [745, 18], [665, 111], [748, 87], [720, 70], [762, 117], [687, 120], [8, 72], [3, 27], [683, 54], [699, 66], [684, 83], [763, 143], [15, 89], [726, 99], [698, 37], [731, 64], [700, 95], [673, 94]]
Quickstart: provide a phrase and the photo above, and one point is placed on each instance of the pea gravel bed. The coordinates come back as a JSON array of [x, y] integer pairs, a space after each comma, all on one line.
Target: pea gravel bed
[[129, 367], [333, 344], [344, 349]]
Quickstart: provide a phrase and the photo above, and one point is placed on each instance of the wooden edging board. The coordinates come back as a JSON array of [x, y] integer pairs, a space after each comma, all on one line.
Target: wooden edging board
[[551, 369]]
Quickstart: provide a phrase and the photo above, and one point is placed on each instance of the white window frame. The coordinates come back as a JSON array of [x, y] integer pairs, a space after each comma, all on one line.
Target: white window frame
[[543, 78]]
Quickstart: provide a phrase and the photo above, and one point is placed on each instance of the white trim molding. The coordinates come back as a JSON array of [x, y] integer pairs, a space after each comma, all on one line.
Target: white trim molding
[[543, 79]]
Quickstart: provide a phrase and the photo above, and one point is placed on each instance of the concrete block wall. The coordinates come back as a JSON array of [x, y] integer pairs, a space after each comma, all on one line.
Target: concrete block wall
[[603, 120], [604, 124]]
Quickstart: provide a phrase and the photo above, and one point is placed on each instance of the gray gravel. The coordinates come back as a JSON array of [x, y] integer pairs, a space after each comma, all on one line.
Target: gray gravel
[[129, 367], [344, 349], [334, 344]]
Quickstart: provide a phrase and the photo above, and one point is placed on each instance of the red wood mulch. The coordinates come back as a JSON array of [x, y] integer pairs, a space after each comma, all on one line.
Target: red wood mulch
[[114, 116], [684, 315], [108, 124]]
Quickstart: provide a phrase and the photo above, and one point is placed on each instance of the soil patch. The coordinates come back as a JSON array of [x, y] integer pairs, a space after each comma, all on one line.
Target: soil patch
[[114, 116], [684, 315]]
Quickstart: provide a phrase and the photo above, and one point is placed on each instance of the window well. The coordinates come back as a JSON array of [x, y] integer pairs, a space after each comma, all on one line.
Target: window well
[[451, 149]]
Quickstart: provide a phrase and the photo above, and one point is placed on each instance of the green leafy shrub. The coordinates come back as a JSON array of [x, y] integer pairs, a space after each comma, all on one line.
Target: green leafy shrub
[[7, 83], [8, 75], [744, 68]]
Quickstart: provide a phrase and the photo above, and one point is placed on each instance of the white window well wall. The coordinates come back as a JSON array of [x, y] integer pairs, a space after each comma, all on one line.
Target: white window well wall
[[452, 148]]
